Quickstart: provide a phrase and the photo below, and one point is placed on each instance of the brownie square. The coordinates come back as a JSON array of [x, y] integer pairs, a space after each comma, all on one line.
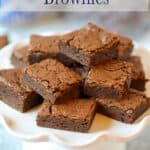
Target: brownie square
[[127, 109], [138, 78], [90, 45], [19, 57], [3, 40], [15, 92], [124, 48], [52, 80], [43, 47], [111, 79], [73, 115]]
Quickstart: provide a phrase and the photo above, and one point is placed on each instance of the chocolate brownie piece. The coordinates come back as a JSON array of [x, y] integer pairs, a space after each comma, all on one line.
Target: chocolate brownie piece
[[138, 78], [3, 40], [127, 109], [43, 47], [90, 45], [73, 115], [19, 56], [124, 48], [52, 80], [15, 92], [111, 79]]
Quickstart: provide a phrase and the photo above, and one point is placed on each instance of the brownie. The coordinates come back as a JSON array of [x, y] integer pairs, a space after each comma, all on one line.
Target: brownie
[[15, 92], [19, 56], [43, 47], [3, 40], [124, 48], [111, 79], [52, 80], [138, 78], [73, 115], [90, 45], [127, 109]]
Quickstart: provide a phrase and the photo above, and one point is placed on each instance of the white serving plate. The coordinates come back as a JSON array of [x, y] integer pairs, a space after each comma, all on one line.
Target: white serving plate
[[23, 125]]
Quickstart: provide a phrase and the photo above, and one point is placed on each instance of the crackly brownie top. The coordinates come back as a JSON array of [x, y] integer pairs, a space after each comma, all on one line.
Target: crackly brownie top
[[112, 74], [12, 78], [129, 103], [90, 39], [138, 72], [47, 44], [73, 109], [124, 45], [3, 40], [53, 75], [21, 53]]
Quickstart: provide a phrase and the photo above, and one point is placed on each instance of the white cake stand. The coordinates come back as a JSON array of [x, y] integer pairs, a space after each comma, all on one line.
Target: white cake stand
[[23, 125]]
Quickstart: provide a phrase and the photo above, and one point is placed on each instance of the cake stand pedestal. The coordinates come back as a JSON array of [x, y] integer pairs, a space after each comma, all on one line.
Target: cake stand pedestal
[[52, 146]]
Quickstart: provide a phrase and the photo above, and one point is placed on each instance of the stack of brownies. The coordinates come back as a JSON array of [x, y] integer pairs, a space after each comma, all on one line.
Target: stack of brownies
[[76, 75]]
